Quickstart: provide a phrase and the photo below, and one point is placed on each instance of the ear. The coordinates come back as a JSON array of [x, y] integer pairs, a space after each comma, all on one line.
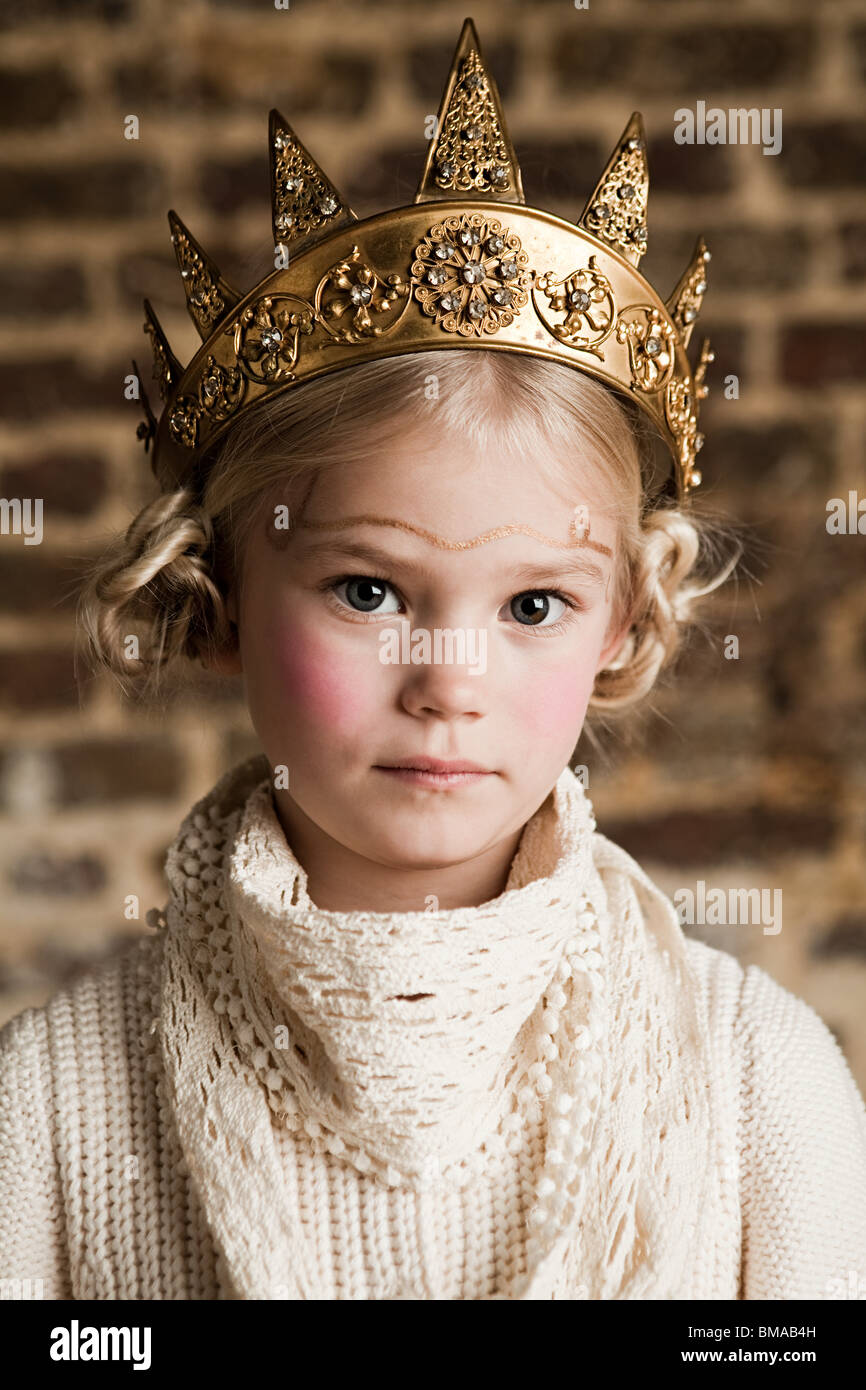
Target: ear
[[613, 647], [228, 662]]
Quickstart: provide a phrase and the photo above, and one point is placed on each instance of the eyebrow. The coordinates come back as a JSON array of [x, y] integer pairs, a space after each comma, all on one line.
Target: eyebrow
[[579, 566]]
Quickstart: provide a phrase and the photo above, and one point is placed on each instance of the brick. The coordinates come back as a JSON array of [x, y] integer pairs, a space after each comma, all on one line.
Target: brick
[[53, 875], [766, 461], [673, 168], [195, 687], [155, 275], [853, 235], [718, 56], [29, 292], [729, 345], [230, 184], [812, 570], [71, 484], [822, 353], [744, 256], [35, 680], [581, 60], [791, 631], [857, 48], [14, 15], [755, 257], [52, 964], [843, 737], [427, 68], [560, 174], [147, 85], [696, 58], [329, 82], [51, 385], [35, 97], [743, 833], [829, 154], [73, 191], [817, 564], [833, 746], [240, 744], [114, 770], [246, 263], [386, 177], [336, 84], [698, 736], [33, 581], [844, 937]]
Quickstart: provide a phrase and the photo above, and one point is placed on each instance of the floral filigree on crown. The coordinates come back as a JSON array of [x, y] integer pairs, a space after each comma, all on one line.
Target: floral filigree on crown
[[443, 271]]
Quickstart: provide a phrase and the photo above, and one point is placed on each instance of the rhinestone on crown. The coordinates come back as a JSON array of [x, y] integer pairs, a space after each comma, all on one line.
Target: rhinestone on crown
[[476, 252], [344, 283]]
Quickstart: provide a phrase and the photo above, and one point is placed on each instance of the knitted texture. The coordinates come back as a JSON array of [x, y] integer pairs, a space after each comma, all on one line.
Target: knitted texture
[[365, 1072], [406, 1037], [213, 1116]]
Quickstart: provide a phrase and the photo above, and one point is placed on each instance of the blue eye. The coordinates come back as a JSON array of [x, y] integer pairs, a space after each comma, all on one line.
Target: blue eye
[[365, 593]]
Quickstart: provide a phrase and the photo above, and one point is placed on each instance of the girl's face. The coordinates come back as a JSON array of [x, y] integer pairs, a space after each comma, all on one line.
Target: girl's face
[[365, 645]]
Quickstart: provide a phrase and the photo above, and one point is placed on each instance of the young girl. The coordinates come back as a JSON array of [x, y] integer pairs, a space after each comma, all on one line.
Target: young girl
[[409, 1027]]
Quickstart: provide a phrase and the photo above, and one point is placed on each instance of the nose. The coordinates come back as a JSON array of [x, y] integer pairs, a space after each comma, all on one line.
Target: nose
[[443, 688], [442, 694]]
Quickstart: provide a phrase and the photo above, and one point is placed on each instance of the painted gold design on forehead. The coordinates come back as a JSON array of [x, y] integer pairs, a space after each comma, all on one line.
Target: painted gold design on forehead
[[578, 531]]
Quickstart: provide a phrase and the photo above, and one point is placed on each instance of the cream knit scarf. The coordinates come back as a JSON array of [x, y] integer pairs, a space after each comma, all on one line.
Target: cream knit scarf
[[416, 1045]]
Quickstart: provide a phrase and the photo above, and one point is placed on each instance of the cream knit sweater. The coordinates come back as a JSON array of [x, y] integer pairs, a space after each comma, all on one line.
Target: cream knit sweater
[[553, 1095]]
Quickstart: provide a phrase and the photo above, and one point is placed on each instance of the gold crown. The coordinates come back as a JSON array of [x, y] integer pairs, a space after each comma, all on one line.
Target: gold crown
[[467, 264]]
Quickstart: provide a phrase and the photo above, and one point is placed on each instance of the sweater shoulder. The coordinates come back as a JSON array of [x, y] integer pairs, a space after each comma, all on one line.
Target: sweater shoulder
[[766, 1018], [100, 1010], [776, 1032], [786, 1039], [67, 1069], [803, 1158], [773, 1039], [718, 973]]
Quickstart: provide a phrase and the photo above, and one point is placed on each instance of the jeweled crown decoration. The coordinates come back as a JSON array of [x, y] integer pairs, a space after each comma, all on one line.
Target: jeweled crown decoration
[[467, 264]]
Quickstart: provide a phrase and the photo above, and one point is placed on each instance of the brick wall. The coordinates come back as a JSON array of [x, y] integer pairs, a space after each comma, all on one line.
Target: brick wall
[[751, 772]]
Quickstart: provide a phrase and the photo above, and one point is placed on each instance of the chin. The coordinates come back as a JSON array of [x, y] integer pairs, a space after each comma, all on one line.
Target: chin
[[419, 851]]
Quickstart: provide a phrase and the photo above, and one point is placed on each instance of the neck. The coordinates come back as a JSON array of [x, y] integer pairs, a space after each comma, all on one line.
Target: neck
[[339, 880]]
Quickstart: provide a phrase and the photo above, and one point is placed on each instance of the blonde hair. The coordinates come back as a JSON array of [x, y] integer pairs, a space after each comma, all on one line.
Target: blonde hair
[[166, 579]]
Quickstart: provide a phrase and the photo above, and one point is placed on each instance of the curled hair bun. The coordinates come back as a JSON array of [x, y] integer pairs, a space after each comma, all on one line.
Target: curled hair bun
[[663, 600], [156, 585]]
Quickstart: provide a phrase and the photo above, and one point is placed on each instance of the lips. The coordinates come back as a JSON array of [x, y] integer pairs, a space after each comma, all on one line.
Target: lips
[[439, 765]]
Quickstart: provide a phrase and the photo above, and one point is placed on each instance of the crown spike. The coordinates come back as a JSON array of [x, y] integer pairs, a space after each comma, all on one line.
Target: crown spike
[[167, 371], [303, 199], [208, 296], [148, 427], [471, 151], [398, 282], [685, 303], [616, 210]]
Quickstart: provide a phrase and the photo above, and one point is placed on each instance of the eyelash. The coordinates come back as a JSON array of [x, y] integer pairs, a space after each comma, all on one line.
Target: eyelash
[[329, 586]]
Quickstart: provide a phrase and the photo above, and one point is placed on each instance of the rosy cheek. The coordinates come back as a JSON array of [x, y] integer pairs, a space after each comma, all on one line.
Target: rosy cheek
[[552, 705], [337, 690]]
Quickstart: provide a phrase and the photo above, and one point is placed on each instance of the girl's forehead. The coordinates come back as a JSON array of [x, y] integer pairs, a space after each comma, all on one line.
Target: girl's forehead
[[458, 478], [449, 500]]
